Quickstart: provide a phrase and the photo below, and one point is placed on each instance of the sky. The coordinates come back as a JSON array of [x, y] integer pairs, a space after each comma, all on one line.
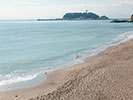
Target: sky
[[34, 9]]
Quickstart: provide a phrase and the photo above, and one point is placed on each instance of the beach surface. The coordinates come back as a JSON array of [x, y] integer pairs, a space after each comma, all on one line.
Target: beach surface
[[107, 76]]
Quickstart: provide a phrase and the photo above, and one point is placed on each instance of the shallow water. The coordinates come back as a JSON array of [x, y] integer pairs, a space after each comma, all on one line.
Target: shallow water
[[28, 49]]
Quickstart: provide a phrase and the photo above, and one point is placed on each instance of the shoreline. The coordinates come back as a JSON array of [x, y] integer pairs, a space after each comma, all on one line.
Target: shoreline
[[56, 79], [49, 82]]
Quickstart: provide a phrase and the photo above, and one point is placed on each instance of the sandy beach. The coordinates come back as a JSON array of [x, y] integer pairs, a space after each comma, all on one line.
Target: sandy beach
[[107, 76]]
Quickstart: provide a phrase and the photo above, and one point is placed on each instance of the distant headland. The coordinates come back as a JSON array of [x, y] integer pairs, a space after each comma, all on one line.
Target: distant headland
[[78, 16], [123, 21]]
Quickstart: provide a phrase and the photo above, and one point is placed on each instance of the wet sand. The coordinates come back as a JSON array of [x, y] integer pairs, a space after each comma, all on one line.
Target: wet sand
[[108, 76]]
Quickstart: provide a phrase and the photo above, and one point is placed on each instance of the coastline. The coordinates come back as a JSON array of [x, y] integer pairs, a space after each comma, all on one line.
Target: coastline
[[48, 84], [95, 69]]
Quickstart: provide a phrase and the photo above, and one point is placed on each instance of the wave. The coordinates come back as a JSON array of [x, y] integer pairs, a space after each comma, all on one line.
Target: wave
[[80, 57], [127, 36], [77, 57], [15, 79]]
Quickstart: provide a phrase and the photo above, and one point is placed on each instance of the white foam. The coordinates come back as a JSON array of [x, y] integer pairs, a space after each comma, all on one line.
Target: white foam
[[15, 79], [97, 49], [124, 37]]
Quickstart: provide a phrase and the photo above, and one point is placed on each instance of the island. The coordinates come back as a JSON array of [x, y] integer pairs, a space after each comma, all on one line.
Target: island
[[78, 16], [83, 16]]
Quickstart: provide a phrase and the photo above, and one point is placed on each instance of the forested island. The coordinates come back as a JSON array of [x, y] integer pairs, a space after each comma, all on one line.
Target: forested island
[[79, 16], [83, 16]]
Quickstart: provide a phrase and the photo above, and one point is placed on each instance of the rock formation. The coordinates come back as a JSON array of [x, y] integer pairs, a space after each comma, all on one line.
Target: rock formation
[[131, 19]]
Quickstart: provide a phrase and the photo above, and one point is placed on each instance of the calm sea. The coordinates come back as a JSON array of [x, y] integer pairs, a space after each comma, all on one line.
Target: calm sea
[[28, 49]]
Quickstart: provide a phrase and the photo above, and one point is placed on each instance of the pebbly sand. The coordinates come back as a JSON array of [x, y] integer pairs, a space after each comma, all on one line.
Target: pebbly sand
[[108, 76]]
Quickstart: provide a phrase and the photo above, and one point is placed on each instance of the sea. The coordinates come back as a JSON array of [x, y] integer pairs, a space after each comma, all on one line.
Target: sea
[[30, 48]]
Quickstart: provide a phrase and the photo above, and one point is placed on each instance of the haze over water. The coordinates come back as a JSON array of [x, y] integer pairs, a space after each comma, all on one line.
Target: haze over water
[[28, 49]]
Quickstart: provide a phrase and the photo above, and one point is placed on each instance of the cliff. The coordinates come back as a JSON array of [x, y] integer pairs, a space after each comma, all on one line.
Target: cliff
[[131, 19]]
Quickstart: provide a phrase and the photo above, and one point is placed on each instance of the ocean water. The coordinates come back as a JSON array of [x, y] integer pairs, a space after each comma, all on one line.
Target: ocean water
[[28, 49]]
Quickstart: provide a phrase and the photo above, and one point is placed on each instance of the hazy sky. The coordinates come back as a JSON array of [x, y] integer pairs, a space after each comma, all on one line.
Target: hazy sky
[[33, 9]]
